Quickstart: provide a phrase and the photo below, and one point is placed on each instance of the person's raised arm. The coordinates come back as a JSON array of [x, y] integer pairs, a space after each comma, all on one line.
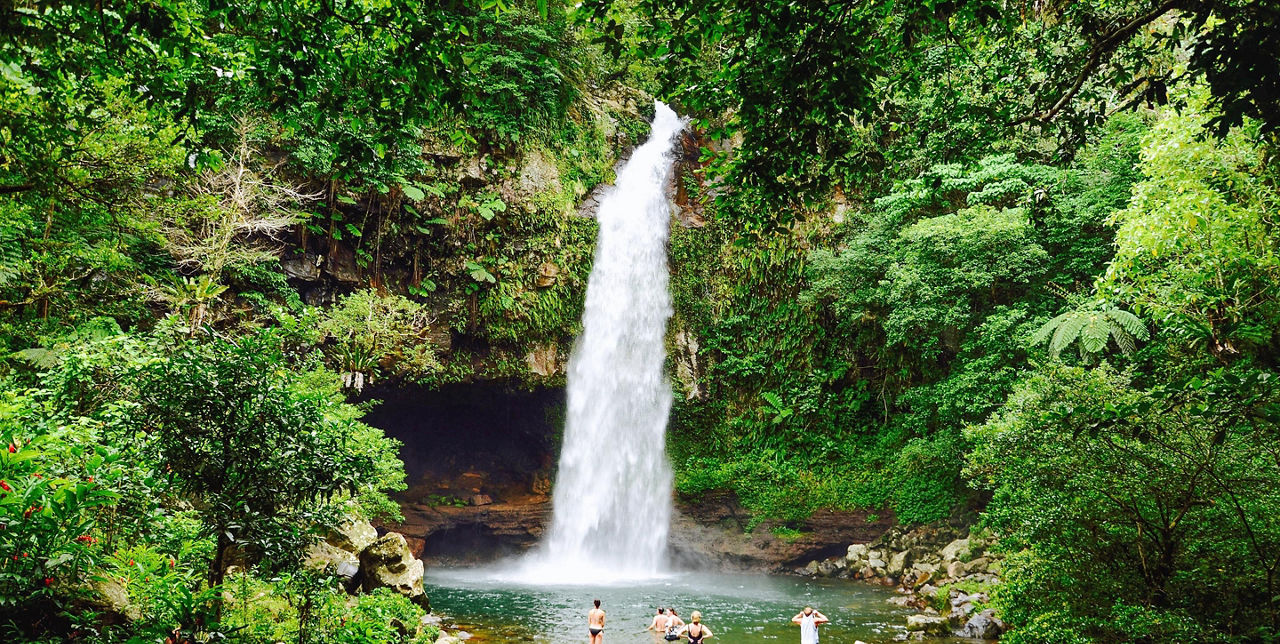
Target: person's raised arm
[[819, 618], [797, 618]]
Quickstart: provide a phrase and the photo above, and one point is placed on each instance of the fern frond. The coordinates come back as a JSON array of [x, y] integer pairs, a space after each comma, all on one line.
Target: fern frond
[[1046, 331], [1131, 323], [1123, 339], [38, 357], [1067, 333], [1094, 333]]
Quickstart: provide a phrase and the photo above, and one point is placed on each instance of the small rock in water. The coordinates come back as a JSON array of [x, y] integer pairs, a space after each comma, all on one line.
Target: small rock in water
[[462, 635]]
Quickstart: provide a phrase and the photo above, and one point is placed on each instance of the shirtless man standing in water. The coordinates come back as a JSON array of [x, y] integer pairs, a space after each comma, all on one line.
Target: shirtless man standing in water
[[595, 624], [659, 624]]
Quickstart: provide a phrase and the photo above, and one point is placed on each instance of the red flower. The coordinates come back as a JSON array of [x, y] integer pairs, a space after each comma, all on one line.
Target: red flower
[[5, 486], [48, 581], [37, 475], [130, 562], [90, 479], [12, 448]]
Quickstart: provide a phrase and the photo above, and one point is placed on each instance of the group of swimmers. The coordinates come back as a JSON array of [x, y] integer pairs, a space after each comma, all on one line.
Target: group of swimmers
[[667, 625], [671, 627]]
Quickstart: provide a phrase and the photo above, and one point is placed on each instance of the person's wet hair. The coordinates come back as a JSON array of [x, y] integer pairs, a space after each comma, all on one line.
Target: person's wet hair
[[661, 610], [597, 602]]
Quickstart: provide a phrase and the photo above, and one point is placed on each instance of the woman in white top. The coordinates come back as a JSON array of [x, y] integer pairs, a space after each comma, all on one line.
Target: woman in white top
[[809, 620]]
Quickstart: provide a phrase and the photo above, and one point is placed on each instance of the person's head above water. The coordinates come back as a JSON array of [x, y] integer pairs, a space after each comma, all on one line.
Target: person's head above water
[[596, 602], [661, 610], [695, 617]]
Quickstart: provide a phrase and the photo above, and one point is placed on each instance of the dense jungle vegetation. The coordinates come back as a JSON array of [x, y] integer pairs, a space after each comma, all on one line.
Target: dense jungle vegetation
[[1005, 262]]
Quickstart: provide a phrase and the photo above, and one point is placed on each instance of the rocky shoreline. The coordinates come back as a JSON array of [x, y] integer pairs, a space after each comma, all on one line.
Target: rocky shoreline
[[944, 572]]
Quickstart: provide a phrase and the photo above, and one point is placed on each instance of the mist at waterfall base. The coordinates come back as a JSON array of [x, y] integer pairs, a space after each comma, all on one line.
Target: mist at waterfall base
[[612, 495]]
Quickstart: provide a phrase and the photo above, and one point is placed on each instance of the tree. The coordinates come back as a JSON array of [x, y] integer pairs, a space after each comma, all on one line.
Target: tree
[[237, 214], [806, 83], [1174, 491], [261, 456], [1196, 249]]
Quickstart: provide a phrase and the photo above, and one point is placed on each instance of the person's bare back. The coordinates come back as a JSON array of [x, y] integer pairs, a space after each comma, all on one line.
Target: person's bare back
[[659, 623], [595, 623]]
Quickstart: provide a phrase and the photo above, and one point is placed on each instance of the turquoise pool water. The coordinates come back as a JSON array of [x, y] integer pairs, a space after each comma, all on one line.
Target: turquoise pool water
[[737, 608]]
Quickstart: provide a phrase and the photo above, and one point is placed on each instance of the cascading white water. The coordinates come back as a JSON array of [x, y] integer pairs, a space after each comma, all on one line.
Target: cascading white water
[[612, 498]]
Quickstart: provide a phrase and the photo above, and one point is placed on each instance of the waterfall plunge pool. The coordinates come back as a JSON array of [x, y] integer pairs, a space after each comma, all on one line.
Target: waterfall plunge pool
[[738, 608]]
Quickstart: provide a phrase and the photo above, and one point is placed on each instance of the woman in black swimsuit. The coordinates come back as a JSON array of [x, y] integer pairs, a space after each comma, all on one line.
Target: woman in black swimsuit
[[595, 623], [694, 630]]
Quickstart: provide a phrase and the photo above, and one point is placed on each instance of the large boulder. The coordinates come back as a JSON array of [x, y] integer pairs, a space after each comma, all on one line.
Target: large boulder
[[958, 549], [927, 624], [352, 536], [857, 552], [983, 626], [104, 597], [340, 550], [388, 563], [324, 555], [898, 562]]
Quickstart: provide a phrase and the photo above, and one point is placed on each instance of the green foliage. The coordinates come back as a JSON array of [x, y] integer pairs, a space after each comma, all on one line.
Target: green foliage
[[50, 515], [1093, 328], [518, 72], [374, 334], [1173, 488], [1195, 248], [811, 88], [264, 456], [924, 480]]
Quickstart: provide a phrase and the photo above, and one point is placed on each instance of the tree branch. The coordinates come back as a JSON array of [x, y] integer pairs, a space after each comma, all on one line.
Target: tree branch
[[22, 187], [1097, 54]]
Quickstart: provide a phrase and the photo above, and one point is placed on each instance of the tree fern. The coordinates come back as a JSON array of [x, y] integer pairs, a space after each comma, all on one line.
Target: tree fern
[[1091, 328]]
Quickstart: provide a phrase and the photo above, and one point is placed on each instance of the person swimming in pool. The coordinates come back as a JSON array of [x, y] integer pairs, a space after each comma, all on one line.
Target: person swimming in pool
[[595, 623], [674, 624], [809, 620], [695, 630], [659, 624]]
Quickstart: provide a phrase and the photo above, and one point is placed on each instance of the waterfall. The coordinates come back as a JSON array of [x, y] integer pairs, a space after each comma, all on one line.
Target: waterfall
[[612, 496]]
